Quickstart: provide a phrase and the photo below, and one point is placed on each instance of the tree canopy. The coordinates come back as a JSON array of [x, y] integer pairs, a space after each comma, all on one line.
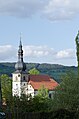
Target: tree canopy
[[43, 92], [6, 85], [66, 95], [77, 48], [34, 71]]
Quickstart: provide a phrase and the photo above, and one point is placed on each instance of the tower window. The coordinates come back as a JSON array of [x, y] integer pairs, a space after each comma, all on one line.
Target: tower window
[[18, 75], [24, 78], [24, 84], [17, 85]]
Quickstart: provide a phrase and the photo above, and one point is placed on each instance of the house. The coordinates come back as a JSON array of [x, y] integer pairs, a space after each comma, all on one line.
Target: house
[[37, 81], [24, 83]]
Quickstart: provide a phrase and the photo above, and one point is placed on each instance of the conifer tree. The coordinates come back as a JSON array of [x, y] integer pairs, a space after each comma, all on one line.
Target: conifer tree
[[77, 48]]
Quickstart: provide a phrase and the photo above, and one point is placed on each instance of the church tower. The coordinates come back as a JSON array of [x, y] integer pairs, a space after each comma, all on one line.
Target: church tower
[[20, 77]]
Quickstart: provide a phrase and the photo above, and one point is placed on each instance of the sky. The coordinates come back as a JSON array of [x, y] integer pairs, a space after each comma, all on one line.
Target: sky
[[48, 29]]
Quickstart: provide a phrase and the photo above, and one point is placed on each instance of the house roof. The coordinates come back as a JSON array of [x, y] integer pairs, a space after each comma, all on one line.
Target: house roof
[[42, 80]]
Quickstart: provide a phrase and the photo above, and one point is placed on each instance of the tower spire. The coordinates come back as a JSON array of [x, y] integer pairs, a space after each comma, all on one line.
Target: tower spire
[[20, 65], [20, 39], [20, 44]]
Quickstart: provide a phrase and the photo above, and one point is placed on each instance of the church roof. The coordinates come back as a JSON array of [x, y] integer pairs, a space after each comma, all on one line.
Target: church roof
[[37, 81]]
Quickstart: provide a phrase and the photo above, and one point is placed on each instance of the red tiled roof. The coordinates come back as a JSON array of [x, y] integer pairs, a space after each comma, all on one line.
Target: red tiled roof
[[42, 80]]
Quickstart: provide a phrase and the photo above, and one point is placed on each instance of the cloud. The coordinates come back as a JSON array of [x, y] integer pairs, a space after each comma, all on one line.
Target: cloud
[[37, 51], [61, 9], [20, 8], [64, 54], [46, 54], [7, 52], [40, 54], [51, 9]]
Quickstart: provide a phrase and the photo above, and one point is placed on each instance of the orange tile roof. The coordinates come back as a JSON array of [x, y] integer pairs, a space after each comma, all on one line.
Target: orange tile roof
[[42, 80]]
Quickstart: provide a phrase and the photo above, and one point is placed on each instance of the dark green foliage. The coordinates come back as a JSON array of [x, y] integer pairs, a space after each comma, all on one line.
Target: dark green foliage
[[67, 94], [53, 70], [64, 105], [6, 85], [77, 48], [57, 114], [6, 68], [25, 104], [32, 65]]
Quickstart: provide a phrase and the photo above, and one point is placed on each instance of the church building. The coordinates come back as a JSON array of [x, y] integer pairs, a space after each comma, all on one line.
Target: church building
[[24, 83]]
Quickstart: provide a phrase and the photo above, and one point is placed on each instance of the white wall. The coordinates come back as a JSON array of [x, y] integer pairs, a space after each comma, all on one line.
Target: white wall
[[21, 86]]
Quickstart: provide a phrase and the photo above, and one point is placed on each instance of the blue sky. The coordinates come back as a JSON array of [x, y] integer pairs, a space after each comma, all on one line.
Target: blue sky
[[48, 29]]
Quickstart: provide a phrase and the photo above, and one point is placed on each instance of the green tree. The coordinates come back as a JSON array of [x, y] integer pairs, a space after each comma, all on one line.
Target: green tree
[[66, 95], [42, 102], [77, 48], [0, 96], [34, 71], [6, 83], [43, 92]]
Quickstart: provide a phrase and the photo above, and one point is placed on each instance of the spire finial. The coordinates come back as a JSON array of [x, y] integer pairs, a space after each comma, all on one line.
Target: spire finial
[[20, 39], [20, 36]]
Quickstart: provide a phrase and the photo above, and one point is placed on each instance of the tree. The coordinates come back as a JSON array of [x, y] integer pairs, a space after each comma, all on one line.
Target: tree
[[6, 83], [42, 102], [77, 47], [66, 96], [0, 96], [43, 92], [34, 71]]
